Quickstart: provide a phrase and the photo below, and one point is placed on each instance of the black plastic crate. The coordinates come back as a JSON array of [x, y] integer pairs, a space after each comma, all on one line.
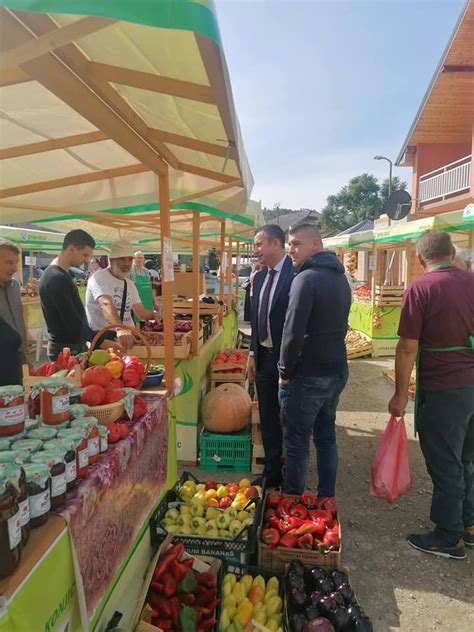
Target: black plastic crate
[[238, 549]]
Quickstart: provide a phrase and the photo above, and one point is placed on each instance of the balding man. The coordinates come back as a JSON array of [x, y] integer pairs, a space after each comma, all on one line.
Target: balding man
[[313, 361]]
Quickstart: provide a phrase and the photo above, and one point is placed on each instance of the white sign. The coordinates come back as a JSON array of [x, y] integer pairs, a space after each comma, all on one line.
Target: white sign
[[468, 212], [224, 262], [372, 262], [30, 261], [167, 263]]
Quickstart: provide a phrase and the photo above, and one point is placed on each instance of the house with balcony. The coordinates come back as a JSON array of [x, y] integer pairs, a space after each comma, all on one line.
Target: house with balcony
[[439, 144]]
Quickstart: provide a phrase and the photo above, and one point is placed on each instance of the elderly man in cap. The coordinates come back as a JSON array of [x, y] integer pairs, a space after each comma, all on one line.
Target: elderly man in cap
[[112, 297]]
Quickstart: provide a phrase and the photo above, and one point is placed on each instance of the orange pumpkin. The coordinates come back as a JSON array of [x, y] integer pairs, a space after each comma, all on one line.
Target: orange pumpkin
[[226, 408]]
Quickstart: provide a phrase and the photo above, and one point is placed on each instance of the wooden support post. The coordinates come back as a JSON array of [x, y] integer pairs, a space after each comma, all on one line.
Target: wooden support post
[[30, 267], [167, 284], [222, 271], [229, 276], [196, 238], [406, 280], [470, 237], [374, 275], [237, 270], [19, 267]]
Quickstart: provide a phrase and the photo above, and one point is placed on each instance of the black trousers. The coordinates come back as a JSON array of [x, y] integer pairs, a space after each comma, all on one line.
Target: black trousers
[[446, 429], [266, 382]]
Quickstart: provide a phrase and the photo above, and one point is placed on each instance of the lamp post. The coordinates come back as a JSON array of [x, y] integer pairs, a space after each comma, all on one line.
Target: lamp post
[[390, 172]]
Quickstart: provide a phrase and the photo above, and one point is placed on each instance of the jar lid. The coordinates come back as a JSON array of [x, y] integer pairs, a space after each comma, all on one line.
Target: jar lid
[[45, 433], [8, 456], [23, 456], [103, 431], [13, 472], [55, 445], [78, 432], [52, 385], [30, 424], [37, 473], [78, 410], [5, 443], [9, 393], [49, 457], [29, 445], [68, 443]]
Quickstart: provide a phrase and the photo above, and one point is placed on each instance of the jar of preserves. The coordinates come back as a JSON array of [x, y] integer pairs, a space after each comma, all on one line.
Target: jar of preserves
[[34, 407], [12, 410], [5, 443], [16, 475], [44, 433], [79, 411], [93, 437], [57, 469], [30, 424], [68, 448], [54, 401], [104, 439], [39, 495], [28, 445], [10, 529]]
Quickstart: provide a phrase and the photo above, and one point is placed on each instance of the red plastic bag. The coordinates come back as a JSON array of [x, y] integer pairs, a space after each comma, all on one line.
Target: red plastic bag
[[390, 474]]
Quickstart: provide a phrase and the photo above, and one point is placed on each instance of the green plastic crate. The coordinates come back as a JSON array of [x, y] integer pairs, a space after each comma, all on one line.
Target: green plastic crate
[[226, 452]]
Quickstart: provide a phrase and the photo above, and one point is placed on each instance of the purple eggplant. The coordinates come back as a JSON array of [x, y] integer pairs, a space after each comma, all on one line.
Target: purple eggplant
[[298, 599], [363, 624], [338, 598], [298, 622], [315, 597], [340, 620], [338, 577], [355, 611], [319, 625], [327, 605], [346, 591], [312, 612], [297, 567], [324, 585]]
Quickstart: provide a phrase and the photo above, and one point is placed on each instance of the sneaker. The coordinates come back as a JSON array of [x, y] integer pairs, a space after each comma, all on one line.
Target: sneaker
[[469, 536], [426, 543]]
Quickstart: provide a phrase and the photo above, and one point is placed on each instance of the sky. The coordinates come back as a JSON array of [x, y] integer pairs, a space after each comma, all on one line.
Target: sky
[[321, 87]]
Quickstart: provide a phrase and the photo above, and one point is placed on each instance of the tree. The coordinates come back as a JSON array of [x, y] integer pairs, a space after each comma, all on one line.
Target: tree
[[362, 198]]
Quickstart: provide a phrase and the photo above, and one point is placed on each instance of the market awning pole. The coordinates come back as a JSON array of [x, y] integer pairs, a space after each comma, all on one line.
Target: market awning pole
[[471, 240], [374, 275], [229, 276], [19, 267], [222, 271], [196, 275], [167, 281], [237, 270], [30, 267]]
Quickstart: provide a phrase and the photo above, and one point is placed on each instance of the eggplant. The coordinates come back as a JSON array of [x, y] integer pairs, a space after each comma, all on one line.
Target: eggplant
[[327, 605], [315, 574], [345, 589], [324, 585], [340, 620], [315, 597], [296, 566], [363, 624], [338, 598], [355, 611], [298, 622], [298, 599], [312, 612], [338, 577], [319, 625], [296, 581]]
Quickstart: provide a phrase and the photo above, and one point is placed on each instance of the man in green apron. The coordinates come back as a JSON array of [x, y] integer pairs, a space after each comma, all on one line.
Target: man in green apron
[[437, 327], [142, 279]]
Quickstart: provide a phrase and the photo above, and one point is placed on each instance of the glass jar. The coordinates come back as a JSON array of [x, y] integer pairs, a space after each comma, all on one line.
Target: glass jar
[[39, 494], [104, 439], [68, 448], [12, 410], [57, 469], [16, 475], [54, 401], [5, 443], [10, 529], [44, 433], [34, 407], [80, 437], [28, 445], [93, 437], [79, 411]]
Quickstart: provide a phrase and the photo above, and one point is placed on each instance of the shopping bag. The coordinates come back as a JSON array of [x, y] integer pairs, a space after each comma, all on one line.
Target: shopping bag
[[390, 473]]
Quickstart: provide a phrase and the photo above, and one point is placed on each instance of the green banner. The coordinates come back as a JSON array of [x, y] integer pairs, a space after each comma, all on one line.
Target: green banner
[[361, 318], [47, 600]]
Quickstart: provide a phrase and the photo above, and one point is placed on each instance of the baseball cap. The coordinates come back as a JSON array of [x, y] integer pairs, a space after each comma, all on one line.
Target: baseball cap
[[121, 249]]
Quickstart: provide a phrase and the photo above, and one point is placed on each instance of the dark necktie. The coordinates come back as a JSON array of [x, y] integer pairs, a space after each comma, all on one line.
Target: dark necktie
[[263, 312]]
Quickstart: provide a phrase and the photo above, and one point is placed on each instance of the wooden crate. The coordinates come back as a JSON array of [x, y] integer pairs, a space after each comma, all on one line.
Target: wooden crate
[[29, 380], [158, 352], [241, 382], [357, 346], [258, 465]]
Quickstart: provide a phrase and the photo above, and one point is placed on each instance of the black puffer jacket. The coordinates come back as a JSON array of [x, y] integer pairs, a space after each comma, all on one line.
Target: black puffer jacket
[[316, 319]]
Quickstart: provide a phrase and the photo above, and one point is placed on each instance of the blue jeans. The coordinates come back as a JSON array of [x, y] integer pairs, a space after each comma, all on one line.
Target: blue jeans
[[309, 408]]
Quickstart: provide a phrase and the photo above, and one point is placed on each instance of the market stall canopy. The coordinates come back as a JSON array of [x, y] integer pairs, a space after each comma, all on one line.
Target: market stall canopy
[[39, 240], [362, 240], [445, 114], [454, 222], [95, 106]]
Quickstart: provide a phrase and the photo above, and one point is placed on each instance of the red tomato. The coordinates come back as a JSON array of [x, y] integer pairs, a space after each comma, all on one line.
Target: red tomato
[[93, 395], [98, 375], [116, 383], [113, 395]]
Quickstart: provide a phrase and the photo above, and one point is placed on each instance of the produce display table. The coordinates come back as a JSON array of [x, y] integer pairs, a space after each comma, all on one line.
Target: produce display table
[[72, 563], [384, 337]]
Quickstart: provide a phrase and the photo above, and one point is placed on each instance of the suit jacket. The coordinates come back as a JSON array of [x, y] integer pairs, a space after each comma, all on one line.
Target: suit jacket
[[277, 308]]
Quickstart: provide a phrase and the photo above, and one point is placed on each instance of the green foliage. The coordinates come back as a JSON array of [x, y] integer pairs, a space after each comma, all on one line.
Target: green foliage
[[361, 198]]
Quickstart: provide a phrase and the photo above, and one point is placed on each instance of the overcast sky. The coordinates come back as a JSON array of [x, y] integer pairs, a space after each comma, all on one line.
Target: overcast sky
[[322, 87]]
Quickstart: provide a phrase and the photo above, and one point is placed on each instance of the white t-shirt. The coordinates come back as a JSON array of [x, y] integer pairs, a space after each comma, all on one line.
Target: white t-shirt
[[103, 283]]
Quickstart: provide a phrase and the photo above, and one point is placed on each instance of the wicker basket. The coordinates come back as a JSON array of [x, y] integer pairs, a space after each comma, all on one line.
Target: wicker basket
[[111, 412]]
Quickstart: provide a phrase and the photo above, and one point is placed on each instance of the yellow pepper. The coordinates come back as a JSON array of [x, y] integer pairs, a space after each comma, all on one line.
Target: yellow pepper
[[274, 606], [115, 368], [244, 612]]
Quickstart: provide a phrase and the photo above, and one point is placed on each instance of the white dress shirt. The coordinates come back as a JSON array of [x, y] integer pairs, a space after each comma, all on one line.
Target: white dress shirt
[[268, 340]]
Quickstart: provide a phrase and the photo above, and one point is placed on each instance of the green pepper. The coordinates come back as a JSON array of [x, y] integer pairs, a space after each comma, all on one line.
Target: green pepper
[[188, 619], [188, 584]]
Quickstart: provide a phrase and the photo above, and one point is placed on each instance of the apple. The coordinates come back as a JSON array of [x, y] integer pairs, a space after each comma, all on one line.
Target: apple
[[232, 488], [225, 502], [201, 487], [252, 492], [211, 485]]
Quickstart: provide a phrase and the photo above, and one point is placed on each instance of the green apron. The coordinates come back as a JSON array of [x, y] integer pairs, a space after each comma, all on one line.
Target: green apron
[[433, 350], [143, 284]]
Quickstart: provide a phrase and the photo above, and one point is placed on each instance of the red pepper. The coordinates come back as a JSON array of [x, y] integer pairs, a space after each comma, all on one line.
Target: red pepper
[[158, 586], [280, 525], [271, 537], [42, 369], [299, 511], [51, 369], [164, 624], [169, 585], [273, 499], [208, 624], [309, 500], [60, 361], [307, 527], [329, 504], [211, 607], [208, 580], [130, 377], [269, 513], [188, 599], [163, 607], [284, 507], [305, 541], [290, 540], [72, 362], [175, 569], [173, 553], [175, 608], [205, 597], [315, 513]]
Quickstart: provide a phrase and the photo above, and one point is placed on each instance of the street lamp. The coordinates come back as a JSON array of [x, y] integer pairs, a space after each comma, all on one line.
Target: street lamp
[[390, 172]]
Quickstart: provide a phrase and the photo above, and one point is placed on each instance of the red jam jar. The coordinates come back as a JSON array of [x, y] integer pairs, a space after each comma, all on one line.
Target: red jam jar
[[10, 529], [54, 401], [80, 438], [16, 475], [39, 494], [12, 410]]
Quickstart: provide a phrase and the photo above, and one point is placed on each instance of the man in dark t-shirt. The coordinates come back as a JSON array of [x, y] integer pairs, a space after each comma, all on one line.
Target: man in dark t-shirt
[[62, 307], [437, 321]]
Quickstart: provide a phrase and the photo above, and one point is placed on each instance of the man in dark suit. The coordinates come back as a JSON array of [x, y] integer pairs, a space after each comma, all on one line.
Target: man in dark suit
[[270, 300]]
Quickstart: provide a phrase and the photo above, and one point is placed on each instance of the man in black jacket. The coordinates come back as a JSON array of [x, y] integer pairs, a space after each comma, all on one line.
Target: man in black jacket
[[313, 361], [269, 302]]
